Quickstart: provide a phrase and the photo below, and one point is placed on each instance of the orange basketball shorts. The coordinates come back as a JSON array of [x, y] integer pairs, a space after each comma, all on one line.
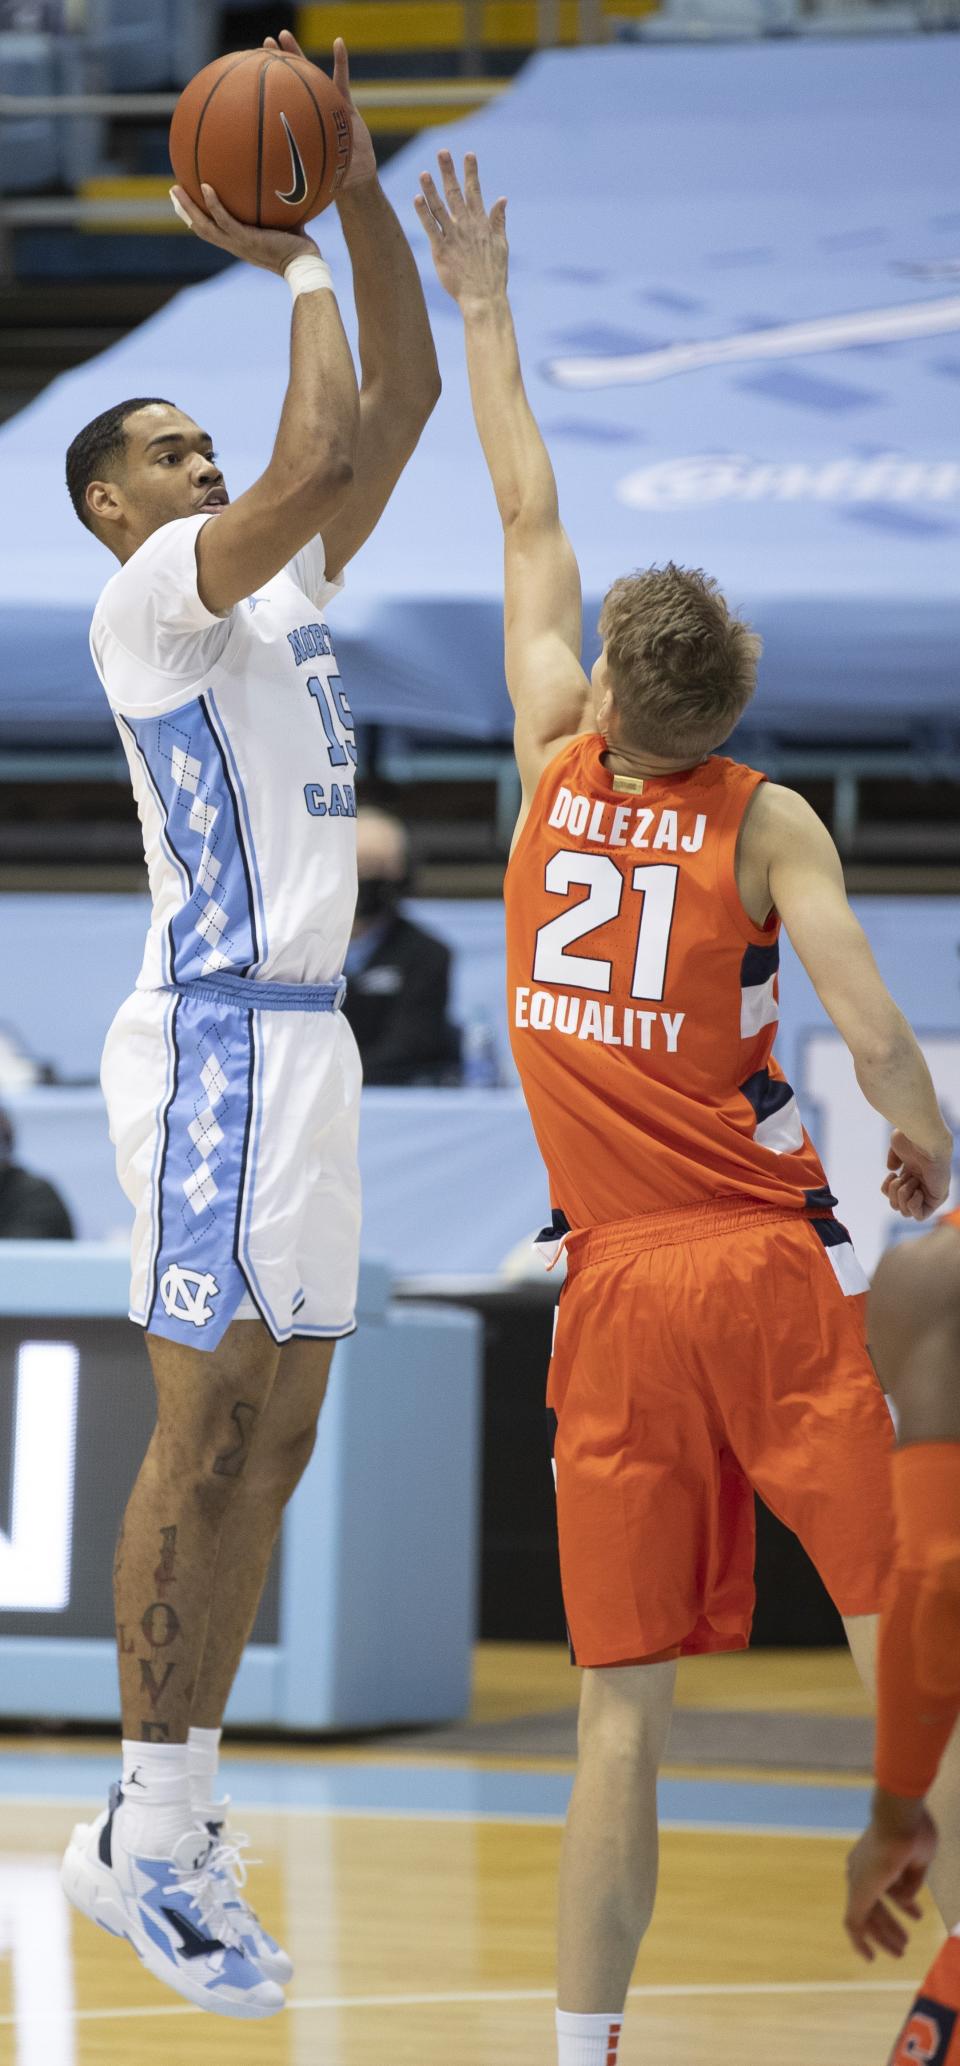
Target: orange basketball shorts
[[698, 1356], [931, 2033]]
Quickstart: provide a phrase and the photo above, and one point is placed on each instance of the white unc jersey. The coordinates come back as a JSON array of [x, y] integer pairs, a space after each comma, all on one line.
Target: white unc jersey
[[231, 1079], [241, 750]]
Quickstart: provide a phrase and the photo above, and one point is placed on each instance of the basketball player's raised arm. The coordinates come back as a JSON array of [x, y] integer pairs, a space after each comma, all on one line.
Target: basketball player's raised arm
[[804, 877], [542, 600], [400, 378], [312, 464]]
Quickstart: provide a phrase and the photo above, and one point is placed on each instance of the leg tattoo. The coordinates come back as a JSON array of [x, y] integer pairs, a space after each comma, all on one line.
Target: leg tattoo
[[230, 1462], [159, 1627], [165, 1572]]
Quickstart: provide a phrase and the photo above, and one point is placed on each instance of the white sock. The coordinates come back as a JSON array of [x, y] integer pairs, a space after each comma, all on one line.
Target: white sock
[[588, 2040], [156, 1809], [203, 1764]]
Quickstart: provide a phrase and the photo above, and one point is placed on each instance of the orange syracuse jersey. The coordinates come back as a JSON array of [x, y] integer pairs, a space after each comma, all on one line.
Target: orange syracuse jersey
[[643, 1001]]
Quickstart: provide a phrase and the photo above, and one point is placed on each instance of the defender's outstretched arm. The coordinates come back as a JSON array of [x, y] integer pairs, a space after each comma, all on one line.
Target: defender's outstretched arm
[[543, 612]]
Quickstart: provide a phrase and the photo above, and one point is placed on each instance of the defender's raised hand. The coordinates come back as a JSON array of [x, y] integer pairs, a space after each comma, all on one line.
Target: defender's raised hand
[[363, 163], [469, 246]]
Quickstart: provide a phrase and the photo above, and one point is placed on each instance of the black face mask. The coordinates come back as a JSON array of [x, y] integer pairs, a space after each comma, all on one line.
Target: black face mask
[[377, 896]]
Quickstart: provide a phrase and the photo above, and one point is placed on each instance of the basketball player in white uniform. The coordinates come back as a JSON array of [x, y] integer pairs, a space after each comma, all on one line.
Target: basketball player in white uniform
[[231, 1078]]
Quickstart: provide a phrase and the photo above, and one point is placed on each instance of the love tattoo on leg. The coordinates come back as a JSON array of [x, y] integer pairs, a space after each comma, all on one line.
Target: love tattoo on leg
[[166, 1570], [159, 1628]]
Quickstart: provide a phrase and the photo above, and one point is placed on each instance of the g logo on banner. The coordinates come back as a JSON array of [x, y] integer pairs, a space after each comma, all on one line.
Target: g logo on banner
[[926, 2035], [185, 1294]]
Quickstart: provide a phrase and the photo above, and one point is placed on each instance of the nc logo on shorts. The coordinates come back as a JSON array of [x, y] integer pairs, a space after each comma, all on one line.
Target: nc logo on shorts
[[185, 1294], [926, 2034]]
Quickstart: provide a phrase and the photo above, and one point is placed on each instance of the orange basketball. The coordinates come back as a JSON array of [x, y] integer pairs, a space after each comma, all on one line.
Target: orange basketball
[[270, 132]]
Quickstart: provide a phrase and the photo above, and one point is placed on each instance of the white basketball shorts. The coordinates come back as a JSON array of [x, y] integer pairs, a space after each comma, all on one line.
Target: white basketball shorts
[[233, 1107]]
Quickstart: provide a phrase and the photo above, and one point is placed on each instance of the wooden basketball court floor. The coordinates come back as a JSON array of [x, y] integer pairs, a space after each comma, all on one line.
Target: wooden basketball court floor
[[415, 1892]]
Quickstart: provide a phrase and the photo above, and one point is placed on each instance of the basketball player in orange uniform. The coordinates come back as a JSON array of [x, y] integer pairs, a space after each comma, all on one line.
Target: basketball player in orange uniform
[[710, 1336], [915, 1333]]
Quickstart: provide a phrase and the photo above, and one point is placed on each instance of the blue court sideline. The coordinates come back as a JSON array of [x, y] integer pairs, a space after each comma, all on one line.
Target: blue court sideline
[[455, 1791]]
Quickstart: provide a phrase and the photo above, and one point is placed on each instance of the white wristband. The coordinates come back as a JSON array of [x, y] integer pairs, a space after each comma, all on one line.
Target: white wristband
[[307, 274]]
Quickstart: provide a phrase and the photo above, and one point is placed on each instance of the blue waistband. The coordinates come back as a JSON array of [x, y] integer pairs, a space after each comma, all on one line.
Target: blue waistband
[[252, 995]]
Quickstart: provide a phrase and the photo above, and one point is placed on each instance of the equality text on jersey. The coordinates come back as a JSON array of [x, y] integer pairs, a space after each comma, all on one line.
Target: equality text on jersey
[[585, 1018]]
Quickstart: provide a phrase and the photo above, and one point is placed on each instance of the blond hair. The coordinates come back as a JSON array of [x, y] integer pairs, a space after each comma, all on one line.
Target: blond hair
[[682, 667]]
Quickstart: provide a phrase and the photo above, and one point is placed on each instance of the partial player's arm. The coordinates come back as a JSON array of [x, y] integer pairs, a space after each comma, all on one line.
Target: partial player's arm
[[400, 378], [543, 611], [804, 878], [914, 1328], [312, 464], [793, 862]]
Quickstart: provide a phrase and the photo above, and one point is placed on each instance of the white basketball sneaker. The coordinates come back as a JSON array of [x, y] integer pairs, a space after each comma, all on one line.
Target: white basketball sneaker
[[172, 1912], [226, 1862]]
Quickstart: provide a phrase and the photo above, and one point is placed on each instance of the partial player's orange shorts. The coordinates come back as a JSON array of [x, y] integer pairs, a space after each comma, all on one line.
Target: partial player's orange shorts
[[931, 2033], [697, 1356]]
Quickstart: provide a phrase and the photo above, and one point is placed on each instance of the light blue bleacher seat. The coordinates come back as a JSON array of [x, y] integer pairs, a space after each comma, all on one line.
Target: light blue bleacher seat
[[125, 46], [42, 151], [81, 139], [142, 44], [194, 37], [29, 149], [129, 42], [196, 33]]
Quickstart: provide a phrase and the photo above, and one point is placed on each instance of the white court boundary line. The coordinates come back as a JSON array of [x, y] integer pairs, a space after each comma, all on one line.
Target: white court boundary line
[[482, 1997]]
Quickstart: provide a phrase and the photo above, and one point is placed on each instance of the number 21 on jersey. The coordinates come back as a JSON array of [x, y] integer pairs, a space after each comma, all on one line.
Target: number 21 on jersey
[[654, 886]]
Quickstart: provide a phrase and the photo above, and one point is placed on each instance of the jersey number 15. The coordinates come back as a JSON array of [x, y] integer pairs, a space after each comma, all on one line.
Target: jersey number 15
[[656, 883], [325, 691]]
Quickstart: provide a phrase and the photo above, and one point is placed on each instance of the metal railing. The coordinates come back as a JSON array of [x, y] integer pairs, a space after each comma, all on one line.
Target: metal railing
[[405, 93], [909, 838], [106, 211]]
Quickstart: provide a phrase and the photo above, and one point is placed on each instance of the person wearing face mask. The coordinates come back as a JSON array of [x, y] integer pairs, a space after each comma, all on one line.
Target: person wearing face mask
[[398, 976]]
